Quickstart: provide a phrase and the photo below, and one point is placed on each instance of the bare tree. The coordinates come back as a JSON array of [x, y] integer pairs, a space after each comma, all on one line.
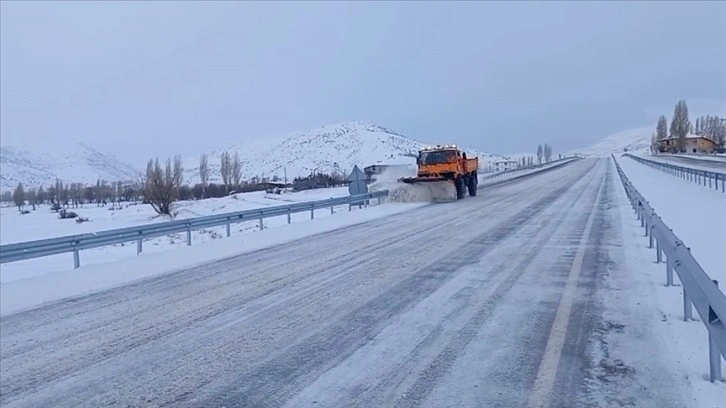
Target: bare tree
[[65, 195], [19, 196], [52, 194], [661, 130], [204, 173], [547, 153], [88, 194], [713, 128], [680, 125], [236, 171], [59, 191], [539, 154], [159, 186], [41, 196], [225, 169], [178, 173]]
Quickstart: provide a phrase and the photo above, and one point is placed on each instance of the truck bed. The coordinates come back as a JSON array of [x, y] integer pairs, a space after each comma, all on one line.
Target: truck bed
[[471, 165]]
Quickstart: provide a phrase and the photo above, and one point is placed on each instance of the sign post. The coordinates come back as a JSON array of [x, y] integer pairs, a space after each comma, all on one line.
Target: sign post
[[357, 183]]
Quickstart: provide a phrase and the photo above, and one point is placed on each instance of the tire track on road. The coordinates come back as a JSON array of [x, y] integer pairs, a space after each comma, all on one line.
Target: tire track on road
[[289, 371], [469, 318]]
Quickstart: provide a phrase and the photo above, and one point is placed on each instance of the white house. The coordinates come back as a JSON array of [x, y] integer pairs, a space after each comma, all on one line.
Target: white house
[[503, 165]]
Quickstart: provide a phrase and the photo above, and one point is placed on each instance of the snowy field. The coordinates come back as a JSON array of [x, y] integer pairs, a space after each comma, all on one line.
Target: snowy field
[[683, 344], [44, 223], [696, 215]]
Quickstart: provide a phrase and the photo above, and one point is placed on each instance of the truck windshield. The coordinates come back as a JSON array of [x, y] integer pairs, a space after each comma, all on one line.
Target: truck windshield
[[438, 157]]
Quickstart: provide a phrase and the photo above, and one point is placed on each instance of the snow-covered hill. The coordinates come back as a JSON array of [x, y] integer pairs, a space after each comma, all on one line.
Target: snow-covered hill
[[632, 140], [325, 149], [74, 163]]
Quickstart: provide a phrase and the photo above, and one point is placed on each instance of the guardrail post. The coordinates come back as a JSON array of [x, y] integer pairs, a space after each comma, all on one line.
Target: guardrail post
[[262, 225], [379, 200], [647, 231], [189, 236], [139, 243], [331, 210], [714, 356], [658, 252], [289, 217], [650, 235], [312, 213], [687, 306], [76, 259], [227, 227], [669, 272]]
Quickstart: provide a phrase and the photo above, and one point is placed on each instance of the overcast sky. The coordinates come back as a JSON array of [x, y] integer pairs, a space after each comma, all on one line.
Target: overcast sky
[[159, 78]]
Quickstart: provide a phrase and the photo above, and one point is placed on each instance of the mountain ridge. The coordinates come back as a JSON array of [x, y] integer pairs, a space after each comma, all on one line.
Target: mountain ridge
[[328, 148]]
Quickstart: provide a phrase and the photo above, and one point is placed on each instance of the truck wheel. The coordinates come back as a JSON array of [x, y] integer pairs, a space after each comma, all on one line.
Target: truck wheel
[[473, 182], [460, 188]]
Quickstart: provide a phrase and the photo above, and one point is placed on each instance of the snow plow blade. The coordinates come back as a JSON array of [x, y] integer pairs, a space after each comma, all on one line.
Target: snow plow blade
[[431, 189], [412, 180]]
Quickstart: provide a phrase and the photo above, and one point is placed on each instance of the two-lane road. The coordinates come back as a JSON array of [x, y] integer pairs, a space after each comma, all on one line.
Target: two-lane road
[[490, 301]]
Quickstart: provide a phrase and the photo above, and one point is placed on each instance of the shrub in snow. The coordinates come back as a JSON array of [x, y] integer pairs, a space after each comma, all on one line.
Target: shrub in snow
[[81, 219], [65, 214], [23, 212]]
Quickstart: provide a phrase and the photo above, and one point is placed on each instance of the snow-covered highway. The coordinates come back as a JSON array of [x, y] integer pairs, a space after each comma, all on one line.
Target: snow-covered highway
[[504, 299]]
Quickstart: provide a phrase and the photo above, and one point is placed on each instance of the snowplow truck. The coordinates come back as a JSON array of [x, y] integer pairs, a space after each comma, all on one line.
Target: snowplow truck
[[446, 164]]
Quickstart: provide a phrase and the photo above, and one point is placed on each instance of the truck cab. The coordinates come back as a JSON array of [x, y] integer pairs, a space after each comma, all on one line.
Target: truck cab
[[446, 161]]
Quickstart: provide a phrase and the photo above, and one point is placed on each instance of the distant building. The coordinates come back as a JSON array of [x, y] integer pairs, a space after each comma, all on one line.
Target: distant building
[[503, 165], [694, 144]]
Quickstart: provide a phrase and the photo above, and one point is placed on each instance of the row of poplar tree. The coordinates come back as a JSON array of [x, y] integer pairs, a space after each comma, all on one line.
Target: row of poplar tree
[[708, 126]]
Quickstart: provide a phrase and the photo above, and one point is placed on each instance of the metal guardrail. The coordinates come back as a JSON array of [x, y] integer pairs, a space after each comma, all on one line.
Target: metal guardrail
[[75, 243], [697, 176], [499, 174], [544, 166], [699, 289]]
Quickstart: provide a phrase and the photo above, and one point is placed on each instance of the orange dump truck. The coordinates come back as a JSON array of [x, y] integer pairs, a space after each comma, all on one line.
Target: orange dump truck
[[446, 164]]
